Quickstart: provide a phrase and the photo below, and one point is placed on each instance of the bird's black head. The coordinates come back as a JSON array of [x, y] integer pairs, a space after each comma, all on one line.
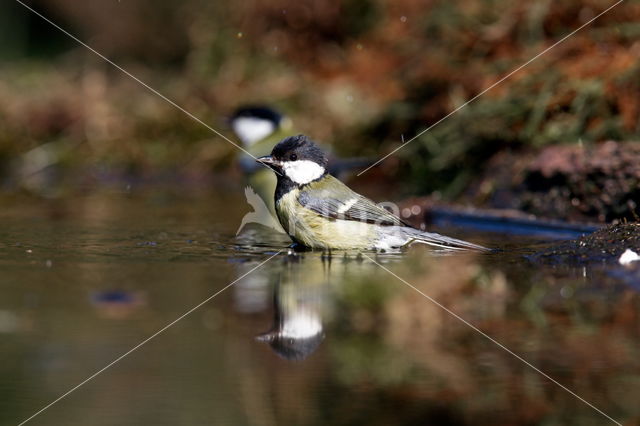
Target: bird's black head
[[298, 159], [299, 148], [292, 348], [261, 112]]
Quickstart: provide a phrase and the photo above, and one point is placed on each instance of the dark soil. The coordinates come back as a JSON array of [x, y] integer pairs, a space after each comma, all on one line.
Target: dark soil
[[603, 246], [597, 183]]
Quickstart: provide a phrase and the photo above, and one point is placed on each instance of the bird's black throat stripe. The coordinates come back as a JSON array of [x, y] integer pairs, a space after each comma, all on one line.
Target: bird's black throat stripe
[[285, 185]]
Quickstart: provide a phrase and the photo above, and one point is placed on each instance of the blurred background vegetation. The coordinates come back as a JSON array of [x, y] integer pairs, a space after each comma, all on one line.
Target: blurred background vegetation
[[360, 74]]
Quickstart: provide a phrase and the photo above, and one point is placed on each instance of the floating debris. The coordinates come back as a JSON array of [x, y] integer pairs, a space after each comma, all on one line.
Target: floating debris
[[629, 256]]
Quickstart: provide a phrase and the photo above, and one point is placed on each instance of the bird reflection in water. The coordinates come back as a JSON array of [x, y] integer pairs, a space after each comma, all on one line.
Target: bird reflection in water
[[299, 303]]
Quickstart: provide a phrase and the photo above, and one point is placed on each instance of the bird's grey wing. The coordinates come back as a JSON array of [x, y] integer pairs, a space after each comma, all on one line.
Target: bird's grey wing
[[338, 201]]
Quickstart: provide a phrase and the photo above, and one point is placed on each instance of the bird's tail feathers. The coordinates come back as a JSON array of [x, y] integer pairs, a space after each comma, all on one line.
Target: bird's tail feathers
[[442, 241]]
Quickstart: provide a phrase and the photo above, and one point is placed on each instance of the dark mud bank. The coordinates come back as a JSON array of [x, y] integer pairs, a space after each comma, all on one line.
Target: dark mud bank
[[574, 183], [603, 246]]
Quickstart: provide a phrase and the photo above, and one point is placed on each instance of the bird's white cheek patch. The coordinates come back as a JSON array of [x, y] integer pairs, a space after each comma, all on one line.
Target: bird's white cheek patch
[[303, 171], [250, 130], [302, 325]]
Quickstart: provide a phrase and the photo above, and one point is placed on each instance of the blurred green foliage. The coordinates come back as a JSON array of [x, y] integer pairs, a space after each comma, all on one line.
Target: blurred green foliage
[[363, 71]]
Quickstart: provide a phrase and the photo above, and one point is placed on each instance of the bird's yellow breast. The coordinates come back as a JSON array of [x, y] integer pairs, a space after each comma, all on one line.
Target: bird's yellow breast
[[313, 230]]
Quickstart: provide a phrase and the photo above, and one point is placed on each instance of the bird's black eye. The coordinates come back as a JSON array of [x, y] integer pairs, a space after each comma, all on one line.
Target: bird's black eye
[[293, 157]]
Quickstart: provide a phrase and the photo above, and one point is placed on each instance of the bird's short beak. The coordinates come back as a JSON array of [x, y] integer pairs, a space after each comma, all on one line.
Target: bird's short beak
[[269, 161]]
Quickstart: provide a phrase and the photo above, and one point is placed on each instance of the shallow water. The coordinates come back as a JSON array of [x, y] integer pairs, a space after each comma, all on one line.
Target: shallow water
[[303, 339]]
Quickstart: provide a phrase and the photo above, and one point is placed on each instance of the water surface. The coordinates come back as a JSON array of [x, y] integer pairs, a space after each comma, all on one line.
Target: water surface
[[304, 339]]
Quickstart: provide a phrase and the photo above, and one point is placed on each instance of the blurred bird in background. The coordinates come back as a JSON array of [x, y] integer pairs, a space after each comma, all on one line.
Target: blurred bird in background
[[259, 129]]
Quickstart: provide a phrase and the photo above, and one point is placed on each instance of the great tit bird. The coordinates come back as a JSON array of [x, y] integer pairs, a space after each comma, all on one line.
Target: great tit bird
[[319, 211], [259, 128]]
